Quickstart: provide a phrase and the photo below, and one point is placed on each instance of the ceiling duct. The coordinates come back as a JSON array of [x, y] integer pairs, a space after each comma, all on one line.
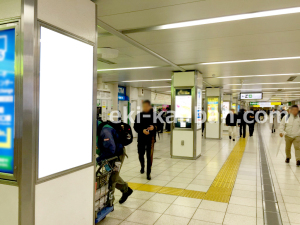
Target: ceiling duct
[[106, 61], [107, 53], [292, 78]]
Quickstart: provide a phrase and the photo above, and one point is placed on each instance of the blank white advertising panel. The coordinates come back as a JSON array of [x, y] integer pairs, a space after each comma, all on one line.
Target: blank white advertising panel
[[65, 103]]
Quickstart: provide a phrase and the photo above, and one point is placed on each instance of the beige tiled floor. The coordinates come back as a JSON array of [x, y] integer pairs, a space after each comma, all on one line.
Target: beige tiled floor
[[245, 205]]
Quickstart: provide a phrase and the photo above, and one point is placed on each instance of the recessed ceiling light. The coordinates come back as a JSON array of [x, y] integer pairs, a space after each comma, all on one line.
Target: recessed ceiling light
[[263, 75], [231, 18], [132, 81], [266, 83], [251, 60], [128, 68], [160, 87]]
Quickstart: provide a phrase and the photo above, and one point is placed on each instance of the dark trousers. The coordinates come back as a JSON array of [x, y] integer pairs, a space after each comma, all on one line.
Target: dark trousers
[[147, 148], [251, 128], [243, 130]]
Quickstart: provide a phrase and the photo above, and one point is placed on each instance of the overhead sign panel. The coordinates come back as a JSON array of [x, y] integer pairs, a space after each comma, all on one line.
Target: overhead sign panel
[[7, 100], [251, 96]]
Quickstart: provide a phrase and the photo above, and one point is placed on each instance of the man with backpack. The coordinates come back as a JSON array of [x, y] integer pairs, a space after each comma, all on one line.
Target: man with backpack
[[110, 143], [146, 126], [290, 127]]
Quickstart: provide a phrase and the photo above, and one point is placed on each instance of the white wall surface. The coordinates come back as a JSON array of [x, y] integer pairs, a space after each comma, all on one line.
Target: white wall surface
[[185, 150], [9, 204], [66, 200], [10, 9], [75, 16]]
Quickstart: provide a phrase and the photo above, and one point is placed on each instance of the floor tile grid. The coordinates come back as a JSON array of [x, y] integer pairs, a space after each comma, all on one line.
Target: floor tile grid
[[191, 219], [277, 163], [178, 162], [237, 213]]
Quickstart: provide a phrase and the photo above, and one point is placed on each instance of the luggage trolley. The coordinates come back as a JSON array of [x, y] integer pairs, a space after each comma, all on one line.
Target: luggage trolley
[[104, 196]]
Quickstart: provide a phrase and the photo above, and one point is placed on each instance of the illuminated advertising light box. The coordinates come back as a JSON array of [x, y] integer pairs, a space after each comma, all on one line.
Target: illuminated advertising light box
[[7, 100], [212, 109], [251, 96], [225, 109], [199, 108], [183, 108], [65, 103]]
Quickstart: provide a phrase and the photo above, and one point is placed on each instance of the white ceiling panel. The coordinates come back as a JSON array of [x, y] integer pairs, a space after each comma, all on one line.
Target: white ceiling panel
[[113, 7], [185, 12]]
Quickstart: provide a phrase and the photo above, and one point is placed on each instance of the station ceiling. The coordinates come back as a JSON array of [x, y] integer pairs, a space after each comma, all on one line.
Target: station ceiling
[[202, 47]]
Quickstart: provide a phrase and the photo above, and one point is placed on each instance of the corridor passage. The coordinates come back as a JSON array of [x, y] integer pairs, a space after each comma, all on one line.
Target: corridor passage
[[223, 186]]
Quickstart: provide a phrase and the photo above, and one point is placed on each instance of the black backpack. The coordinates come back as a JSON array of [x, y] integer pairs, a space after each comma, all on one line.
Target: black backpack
[[123, 130]]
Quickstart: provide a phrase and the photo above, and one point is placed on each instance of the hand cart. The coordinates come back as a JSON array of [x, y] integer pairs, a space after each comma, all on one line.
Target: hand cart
[[104, 195]]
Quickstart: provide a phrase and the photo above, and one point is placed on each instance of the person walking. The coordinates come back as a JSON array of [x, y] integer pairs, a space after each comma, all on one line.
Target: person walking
[[242, 123], [231, 120], [108, 146], [274, 123], [146, 126], [251, 121], [168, 115], [290, 127]]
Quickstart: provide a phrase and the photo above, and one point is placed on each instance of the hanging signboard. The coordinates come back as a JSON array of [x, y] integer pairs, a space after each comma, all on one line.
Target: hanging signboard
[[7, 100], [250, 96]]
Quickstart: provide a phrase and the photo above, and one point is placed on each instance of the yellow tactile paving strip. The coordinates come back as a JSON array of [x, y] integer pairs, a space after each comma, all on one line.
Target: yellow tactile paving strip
[[222, 186]]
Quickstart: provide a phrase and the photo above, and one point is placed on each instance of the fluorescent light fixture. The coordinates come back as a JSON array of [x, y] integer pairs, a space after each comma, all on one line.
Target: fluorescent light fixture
[[263, 75], [232, 18], [266, 83], [132, 81], [160, 87], [128, 68], [252, 60], [259, 89]]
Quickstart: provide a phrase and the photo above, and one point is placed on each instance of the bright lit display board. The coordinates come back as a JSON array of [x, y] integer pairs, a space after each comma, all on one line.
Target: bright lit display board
[[212, 109], [183, 108], [225, 109], [7, 100], [65, 103], [251, 96], [199, 108]]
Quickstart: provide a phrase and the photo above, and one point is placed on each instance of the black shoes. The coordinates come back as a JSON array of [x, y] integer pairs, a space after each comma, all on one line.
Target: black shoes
[[148, 177], [233, 139], [125, 196], [229, 137], [298, 163], [288, 160], [142, 171]]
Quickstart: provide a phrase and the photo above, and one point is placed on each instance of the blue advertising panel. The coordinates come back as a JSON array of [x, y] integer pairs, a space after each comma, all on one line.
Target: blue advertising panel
[[7, 100], [122, 94]]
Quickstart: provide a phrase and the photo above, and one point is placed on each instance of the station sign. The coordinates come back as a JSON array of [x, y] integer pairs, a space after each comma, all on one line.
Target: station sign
[[249, 96]]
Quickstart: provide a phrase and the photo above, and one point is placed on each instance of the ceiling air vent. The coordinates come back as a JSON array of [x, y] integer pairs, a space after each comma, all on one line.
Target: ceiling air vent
[[106, 61], [292, 78], [279, 90]]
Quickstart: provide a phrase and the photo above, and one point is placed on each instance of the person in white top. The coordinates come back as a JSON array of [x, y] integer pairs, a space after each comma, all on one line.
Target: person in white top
[[290, 126]]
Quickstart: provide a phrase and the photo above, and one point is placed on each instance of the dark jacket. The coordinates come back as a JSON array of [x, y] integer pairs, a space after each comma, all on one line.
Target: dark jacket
[[143, 121], [250, 117], [108, 144], [231, 119], [241, 117]]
